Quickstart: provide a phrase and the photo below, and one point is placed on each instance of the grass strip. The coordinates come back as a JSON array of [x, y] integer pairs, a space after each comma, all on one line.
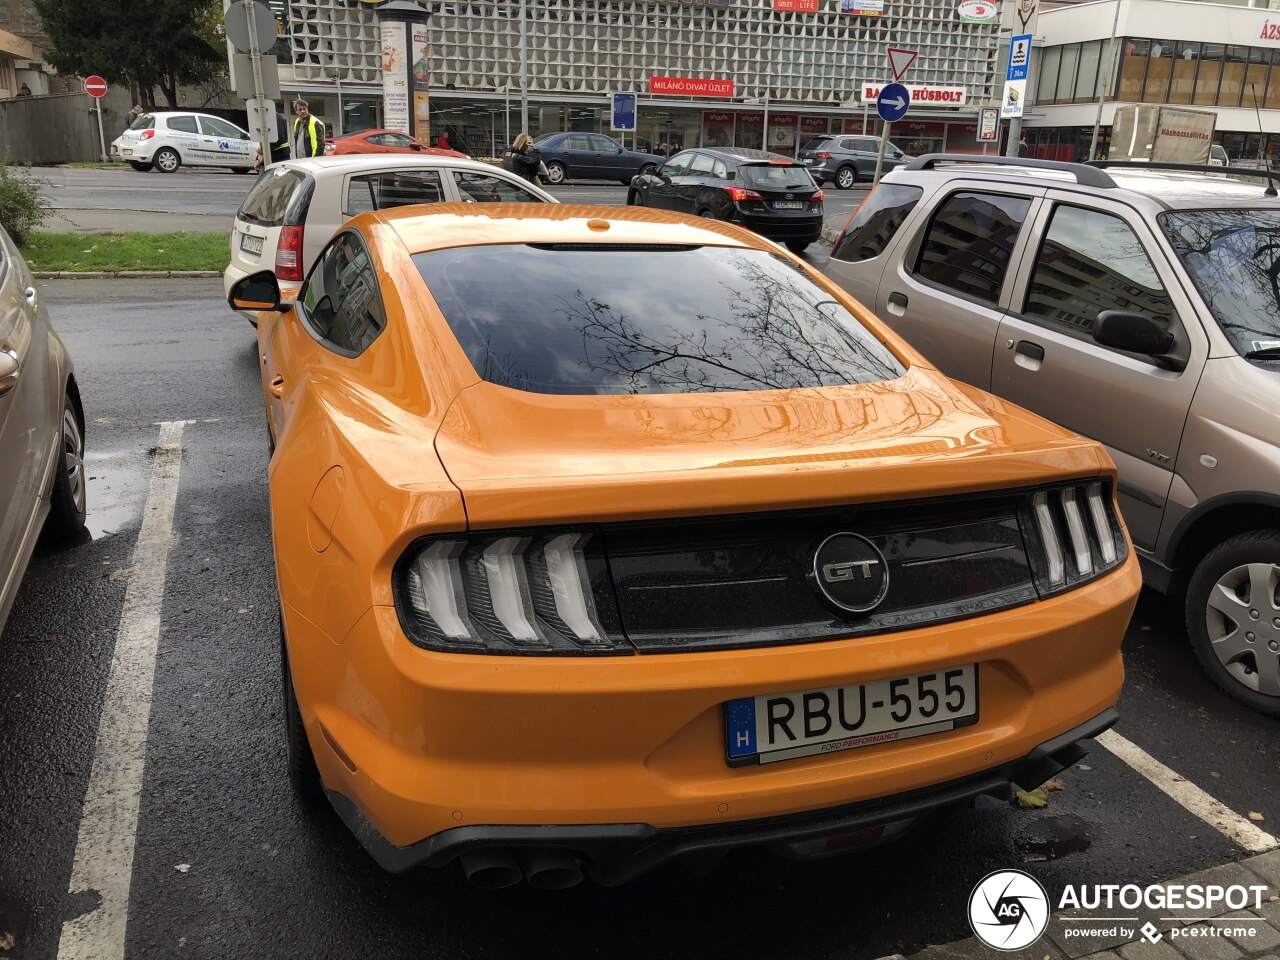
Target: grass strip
[[126, 251]]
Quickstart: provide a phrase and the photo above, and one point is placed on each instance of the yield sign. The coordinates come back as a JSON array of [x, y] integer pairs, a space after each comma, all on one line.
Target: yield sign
[[900, 60]]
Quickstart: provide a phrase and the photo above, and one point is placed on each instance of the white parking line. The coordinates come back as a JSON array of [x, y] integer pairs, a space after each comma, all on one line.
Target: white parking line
[[109, 819], [1216, 814]]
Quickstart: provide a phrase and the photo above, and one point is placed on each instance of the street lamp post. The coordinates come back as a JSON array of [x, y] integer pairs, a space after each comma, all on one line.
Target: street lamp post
[[1102, 94]]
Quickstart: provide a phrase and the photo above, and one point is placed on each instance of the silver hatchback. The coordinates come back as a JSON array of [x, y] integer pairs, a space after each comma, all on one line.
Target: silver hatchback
[[1137, 305], [42, 482]]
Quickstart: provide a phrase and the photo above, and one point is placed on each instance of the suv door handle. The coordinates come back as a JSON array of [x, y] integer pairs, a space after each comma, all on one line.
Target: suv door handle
[[898, 299], [1028, 355]]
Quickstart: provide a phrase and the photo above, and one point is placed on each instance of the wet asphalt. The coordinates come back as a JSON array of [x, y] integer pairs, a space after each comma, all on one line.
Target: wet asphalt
[[228, 864]]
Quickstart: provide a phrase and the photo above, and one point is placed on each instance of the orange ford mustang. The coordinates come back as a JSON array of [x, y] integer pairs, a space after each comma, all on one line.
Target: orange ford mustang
[[607, 536]]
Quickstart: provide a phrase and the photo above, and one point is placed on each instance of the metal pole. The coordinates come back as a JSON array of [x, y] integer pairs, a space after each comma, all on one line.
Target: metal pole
[[255, 58], [102, 141], [341, 116], [885, 127], [506, 113], [524, 70], [1102, 95]]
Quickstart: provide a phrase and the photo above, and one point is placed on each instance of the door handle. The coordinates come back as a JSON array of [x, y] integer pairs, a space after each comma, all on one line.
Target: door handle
[[1028, 355], [31, 295], [10, 368], [898, 299], [277, 386]]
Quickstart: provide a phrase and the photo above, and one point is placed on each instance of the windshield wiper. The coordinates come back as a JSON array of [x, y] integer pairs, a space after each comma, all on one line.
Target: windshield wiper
[[1266, 353]]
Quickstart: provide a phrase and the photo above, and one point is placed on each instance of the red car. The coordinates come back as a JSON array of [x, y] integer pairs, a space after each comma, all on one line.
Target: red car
[[383, 141]]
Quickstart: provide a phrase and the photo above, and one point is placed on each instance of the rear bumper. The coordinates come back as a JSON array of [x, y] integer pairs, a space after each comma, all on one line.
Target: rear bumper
[[618, 853], [808, 227]]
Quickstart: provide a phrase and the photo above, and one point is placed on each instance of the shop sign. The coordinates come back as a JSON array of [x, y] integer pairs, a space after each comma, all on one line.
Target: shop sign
[[920, 126], [751, 118], [977, 11], [796, 6], [922, 95], [813, 124], [1270, 30], [691, 86], [862, 8], [989, 125], [855, 126]]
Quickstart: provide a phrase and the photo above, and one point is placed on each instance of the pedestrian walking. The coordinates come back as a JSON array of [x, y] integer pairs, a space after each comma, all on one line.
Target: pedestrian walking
[[526, 160], [1022, 145], [308, 132]]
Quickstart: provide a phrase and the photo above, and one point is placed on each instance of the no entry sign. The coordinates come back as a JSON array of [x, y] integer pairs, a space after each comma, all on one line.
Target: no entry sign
[[95, 86]]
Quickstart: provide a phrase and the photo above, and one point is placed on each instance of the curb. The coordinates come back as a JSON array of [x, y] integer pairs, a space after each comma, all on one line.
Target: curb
[[126, 274]]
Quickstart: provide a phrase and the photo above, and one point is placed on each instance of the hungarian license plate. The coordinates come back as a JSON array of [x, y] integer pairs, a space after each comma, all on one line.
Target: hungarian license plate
[[784, 726], [251, 244], [127, 151], [788, 204], [811, 160]]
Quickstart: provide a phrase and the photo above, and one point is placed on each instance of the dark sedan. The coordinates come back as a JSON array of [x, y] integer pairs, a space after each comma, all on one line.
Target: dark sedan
[[591, 156], [771, 194]]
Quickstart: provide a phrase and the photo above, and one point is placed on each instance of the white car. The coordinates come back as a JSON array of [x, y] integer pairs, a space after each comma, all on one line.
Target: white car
[[296, 206], [168, 140]]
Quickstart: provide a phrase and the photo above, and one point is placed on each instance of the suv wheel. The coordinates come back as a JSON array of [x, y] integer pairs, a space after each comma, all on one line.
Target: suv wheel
[[1233, 618], [846, 177]]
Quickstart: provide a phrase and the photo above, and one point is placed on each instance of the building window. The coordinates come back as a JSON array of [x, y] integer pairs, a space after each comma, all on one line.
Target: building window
[[1086, 88], [1254, 92], [1159, 72], [1067, 72], [1273, 83], [1047, 76], [1234, 70], [1184, 72], [1209, 74], [1133, 68]]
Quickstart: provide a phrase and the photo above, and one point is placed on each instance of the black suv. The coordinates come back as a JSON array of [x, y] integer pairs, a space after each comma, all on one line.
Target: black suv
[[846, 160], [768, 193]]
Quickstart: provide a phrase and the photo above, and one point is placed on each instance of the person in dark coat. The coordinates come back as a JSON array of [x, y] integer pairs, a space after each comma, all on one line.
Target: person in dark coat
[[526, 158]]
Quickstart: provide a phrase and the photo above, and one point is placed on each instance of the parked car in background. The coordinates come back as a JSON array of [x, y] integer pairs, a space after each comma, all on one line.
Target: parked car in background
[[768, 193], [846, 160], [1138, 306], [166, 140], [591, 156], [628, 496], [383, 141], [296, 206], [41, 428]]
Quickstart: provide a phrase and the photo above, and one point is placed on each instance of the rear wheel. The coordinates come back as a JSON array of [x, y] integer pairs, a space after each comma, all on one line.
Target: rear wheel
[[708, 214], [846, 177], [242, 169], [797, 246], [167, 160], [647, 170], [1233, 618], [68, 502], [303, 773], [635, 199], [556, 172], [140, 166]]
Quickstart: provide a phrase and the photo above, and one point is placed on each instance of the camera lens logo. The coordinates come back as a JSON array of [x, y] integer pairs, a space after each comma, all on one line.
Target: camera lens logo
[[1008, 910]]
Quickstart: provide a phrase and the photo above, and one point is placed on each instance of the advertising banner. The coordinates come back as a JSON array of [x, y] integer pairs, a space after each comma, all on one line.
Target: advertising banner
[[977, 11], [691, 86], [782, 131], [922, 95], [420, 49], [623, 111], [862, 8], [395, 73], [813, 124], [717, 129], [797, 6], [1015, 82], [989, 125]]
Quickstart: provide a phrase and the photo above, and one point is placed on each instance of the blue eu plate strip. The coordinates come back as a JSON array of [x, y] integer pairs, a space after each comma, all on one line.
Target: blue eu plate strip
[[741, 722]]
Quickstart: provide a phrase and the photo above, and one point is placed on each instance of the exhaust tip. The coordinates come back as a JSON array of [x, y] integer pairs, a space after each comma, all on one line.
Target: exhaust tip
[[491, 869], [552, 869]]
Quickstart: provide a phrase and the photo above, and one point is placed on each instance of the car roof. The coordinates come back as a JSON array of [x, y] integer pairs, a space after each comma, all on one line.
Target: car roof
[[334, 166], [1169, 188], [443, 225], [739, 154]]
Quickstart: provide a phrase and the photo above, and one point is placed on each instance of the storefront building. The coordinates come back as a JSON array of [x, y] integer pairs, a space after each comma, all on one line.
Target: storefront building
[[707, 72], [1214, 56]]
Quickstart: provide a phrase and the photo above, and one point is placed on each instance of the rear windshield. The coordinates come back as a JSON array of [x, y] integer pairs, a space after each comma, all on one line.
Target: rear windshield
[[770, 176], [144, 122], [1233, 257], [815, 143], [594, 319], [269, 199]]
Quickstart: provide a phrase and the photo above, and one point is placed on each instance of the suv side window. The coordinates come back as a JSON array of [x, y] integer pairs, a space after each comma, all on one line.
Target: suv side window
[[876, 222], [1092, 261], [969, 242], [341, 300]]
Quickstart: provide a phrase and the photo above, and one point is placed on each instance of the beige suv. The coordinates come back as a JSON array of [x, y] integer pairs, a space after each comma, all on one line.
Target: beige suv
[[1138, 305]]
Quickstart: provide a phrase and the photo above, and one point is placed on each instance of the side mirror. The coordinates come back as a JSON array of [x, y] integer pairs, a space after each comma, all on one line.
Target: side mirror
[[1134, 332], [257, 291], [416, 146]]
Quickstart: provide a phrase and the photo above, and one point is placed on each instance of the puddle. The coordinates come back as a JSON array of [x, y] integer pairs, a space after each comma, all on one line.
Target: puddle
[[117, 491], [1053, 837]]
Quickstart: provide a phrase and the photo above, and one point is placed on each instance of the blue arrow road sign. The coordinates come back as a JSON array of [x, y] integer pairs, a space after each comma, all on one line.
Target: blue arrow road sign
[[893, 102]]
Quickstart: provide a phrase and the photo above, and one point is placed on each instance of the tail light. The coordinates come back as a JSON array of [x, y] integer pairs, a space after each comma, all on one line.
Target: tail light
[[525, 592], [823, 155], [817, 197], [1078, 535], [738, 194], [289, 254], [146, 135]]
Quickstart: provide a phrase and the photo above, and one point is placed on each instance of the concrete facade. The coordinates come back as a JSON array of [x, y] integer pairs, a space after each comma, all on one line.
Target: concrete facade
[[59, 128]]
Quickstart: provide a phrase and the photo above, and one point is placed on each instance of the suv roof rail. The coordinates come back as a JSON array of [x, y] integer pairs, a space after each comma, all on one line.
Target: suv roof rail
[[1085, 175], [1266, 171]]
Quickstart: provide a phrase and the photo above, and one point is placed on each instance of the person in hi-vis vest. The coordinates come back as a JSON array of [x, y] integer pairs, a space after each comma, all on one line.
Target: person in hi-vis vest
[[308, 132]]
